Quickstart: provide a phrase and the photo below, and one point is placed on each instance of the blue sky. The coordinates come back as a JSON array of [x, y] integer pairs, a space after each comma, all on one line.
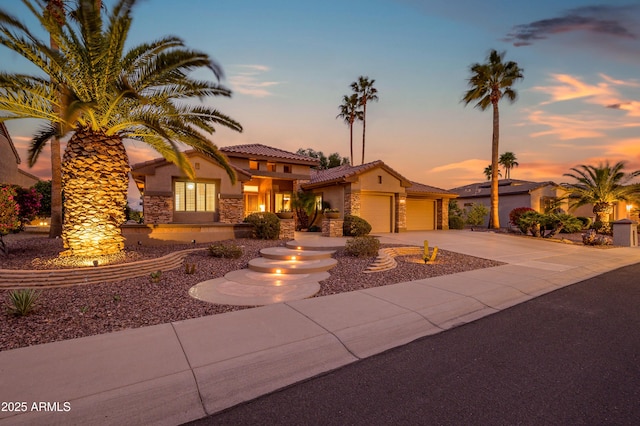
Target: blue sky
[[289, 63]]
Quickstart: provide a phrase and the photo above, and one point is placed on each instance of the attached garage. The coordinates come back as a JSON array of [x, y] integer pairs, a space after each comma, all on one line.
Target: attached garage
[[421, 214], [377, 210]]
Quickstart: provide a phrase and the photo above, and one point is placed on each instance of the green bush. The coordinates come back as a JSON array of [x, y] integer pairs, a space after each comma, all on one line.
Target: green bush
[[266, 225], [514, 216], [456, 222], [476, 214], [586, 221], [530, 222], [227, 251], [355, 226], [364, 246], [21, 302]]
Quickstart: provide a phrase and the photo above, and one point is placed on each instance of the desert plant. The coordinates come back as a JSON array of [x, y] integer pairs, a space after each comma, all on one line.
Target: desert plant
[[189, 268], [514, 216], [476, 214], [306, 208], [363, 246], [22, 302], [355, 226], [155, 276], [592, 238], [266, 225], [530, 222], [602, 227], [456, 222], [586, 221], [560, 222], [229, 251]]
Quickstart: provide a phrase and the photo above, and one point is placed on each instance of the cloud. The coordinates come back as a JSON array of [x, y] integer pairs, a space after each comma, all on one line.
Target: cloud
[[247, 80], [476, 165], [575, 126], [613, 21]]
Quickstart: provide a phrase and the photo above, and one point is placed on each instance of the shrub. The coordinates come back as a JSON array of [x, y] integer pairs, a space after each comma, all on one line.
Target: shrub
[[591, 238], [530, 222], [476, 214], [561, 222], [355, 226], [456, 222], [228, 251], [266, 225], [364, 246], [23, 301], [602, 227], [586, 221], [514, 216]]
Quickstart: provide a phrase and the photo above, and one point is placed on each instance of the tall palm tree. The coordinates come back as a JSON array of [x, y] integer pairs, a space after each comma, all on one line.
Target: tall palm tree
[[602, 186], [349, 113], [489, 83], [366, 92], [508, 160], [108, 94], [488, 172]]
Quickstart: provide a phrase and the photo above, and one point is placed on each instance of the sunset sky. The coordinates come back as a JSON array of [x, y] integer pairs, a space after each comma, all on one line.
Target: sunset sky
[[289, 62]]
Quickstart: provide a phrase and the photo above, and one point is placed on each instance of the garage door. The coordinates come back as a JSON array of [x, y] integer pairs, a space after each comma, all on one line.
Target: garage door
[[421, 214], [376, 209]]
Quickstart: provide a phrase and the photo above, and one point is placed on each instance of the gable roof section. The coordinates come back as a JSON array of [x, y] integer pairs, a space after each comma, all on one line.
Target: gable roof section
[[149, 167], [417, 188], [505, 187], [5, 132], [262, 152], [346, 173]]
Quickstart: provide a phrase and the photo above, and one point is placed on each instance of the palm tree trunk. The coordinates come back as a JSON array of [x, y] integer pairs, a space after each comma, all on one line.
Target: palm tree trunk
[[364, 126], [95, 175], [351, 141], [494, 217]]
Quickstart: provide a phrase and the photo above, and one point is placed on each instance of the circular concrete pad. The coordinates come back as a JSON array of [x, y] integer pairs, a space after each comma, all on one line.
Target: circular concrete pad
[[225, 292]]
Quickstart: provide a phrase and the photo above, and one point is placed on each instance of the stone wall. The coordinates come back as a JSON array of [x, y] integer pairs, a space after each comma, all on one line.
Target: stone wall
[[352, 203], [442, 207], [287, 229], [332, 227], [157, 209], [231, 209]]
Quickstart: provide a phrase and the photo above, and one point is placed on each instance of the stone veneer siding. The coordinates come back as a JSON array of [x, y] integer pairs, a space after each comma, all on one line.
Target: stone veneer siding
[[287, 229], [352, 203], [442, 205], [157, 209], [332, 227], [231, 208], [401, 212]]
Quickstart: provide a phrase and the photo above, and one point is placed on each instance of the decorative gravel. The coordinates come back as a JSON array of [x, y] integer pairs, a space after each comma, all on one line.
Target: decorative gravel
[[78, 311]]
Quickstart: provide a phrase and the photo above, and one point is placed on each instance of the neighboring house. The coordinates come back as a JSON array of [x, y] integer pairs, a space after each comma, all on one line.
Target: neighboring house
[[383, 197], [9, 160], [267, 179], [515, 193]]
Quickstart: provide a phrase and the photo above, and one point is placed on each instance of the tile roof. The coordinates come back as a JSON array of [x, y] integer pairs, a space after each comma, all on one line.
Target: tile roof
[[266, 152], [505, 187], [420, 188]]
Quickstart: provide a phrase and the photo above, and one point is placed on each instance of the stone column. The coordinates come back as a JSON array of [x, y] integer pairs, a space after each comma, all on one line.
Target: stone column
[[157, 208], [332, 227], [231, 208], [442, 207], [401, 212], [287, 229]]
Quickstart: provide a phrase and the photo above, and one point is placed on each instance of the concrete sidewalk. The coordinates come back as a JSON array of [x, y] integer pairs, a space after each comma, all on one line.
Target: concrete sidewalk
[[173, 373]]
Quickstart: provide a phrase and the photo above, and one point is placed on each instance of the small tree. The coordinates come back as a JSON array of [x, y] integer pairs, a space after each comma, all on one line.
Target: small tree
[[43, 188], [29, 204], [9, 215]]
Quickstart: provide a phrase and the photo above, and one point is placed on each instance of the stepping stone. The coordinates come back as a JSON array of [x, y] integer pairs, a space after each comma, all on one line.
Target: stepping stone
[[284, 253], [273, 266]]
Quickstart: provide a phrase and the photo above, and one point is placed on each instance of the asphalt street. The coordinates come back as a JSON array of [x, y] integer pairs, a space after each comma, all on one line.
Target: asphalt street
[[570, 357]]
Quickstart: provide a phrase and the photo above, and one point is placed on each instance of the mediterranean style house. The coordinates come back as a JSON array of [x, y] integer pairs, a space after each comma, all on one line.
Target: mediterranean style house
[[267, 179], [515, 193], [10, 173]]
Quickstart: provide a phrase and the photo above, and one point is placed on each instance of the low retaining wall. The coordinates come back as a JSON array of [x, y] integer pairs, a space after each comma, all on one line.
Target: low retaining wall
[[184, 233]]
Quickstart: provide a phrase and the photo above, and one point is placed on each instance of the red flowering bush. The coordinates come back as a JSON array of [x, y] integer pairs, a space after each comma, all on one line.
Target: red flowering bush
[[514, 216], [29, 203], [9, 214]]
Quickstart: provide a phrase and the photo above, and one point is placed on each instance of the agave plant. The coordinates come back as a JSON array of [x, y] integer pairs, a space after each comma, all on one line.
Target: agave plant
[[100, 95]]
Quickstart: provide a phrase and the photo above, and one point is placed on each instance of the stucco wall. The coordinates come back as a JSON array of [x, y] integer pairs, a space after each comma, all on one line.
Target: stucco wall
[[370, 181]]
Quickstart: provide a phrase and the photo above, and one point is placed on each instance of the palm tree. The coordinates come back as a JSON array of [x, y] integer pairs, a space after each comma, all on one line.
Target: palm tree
[[366, 92], [489, 83], [349, 113], [602, 186], [108, 94], [488, 172], [508, 160]]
